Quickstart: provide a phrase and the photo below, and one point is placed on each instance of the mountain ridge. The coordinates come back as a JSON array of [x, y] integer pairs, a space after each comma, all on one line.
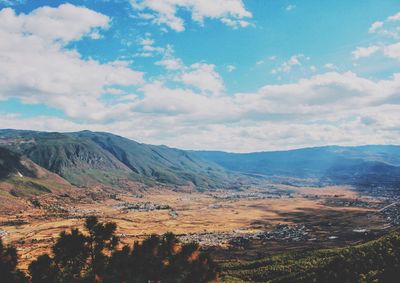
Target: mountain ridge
[[86, 158], [359, 165]]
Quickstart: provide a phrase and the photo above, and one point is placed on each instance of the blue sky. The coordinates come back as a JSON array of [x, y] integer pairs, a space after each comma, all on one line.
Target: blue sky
[[205, 74]]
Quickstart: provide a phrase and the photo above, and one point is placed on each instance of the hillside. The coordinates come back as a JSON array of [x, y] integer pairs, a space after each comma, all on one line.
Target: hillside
[[21, 178], [374, 261], [363, 165], [11, 164], [86, 158]]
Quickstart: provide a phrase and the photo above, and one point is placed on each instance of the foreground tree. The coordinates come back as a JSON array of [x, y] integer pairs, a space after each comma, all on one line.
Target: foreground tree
[[44, 270], [8, 265], [94, 257], [160, 259], [101, 239]]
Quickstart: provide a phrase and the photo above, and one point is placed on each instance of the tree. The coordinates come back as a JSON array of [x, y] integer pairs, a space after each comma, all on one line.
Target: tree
[[160, 259], [101, 238], [44, 270], [94, 257], [8, 265], [70, 255]]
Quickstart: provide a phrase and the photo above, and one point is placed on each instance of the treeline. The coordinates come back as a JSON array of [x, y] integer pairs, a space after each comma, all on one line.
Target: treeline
[[94, 256], [375, 261]]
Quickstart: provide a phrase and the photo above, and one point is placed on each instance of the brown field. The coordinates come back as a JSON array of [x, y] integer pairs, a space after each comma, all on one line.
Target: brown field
[[196, 212]]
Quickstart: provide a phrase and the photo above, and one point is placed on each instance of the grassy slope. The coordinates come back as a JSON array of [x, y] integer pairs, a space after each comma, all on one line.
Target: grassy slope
[[377, 260], [164, 164], [85, 158]]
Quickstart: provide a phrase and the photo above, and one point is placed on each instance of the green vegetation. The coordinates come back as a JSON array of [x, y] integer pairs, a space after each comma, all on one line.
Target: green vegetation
[[94, 256], [375, 261], [87, 158]]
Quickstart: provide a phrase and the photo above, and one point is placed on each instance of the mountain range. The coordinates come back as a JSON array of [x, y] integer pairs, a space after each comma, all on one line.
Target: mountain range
[[359, 165], [89, 158]]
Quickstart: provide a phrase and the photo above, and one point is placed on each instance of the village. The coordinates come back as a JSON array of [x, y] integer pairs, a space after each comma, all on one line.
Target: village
[[141, 206], [281, 232]]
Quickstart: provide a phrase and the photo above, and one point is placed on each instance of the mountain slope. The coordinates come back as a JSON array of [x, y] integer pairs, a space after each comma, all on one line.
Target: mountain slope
[[20, 178], [11, 164], [164, 164], [86, 158], [348, 165]]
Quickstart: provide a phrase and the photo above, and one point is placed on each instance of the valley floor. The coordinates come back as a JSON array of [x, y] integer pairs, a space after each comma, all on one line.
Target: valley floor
[[233, 225]]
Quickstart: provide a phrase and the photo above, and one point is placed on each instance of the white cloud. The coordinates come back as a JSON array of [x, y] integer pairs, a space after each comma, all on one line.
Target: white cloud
[[339, 108], [171, 63], [65, 23], [37, 68], [287, 66], [147, 47], [164, 12], [204, 77], [114, 91], [392, 50], [330, 66], [375, 26], [290, 7], [394, 18], [200, 75], [389, 29], [146, 41], [362, 52], [230, 68]]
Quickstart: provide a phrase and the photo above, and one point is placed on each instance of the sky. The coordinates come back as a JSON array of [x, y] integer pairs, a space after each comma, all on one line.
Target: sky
[[233, 75]]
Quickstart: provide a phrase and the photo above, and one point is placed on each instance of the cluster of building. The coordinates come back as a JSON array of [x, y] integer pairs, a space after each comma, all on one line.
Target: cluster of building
[[391, 213], [3, 233], [287, 232], [142, 206], [235, 195], [282, 232], [213, 239], [81, 212], [353, 203]]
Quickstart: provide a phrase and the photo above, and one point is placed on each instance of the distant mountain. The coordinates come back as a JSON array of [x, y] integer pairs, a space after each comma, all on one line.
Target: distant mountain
[[362, 165], [86, 158]]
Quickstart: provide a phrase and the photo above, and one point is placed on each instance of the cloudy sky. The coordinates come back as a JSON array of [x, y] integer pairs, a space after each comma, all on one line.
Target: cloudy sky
[[229, 75]]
